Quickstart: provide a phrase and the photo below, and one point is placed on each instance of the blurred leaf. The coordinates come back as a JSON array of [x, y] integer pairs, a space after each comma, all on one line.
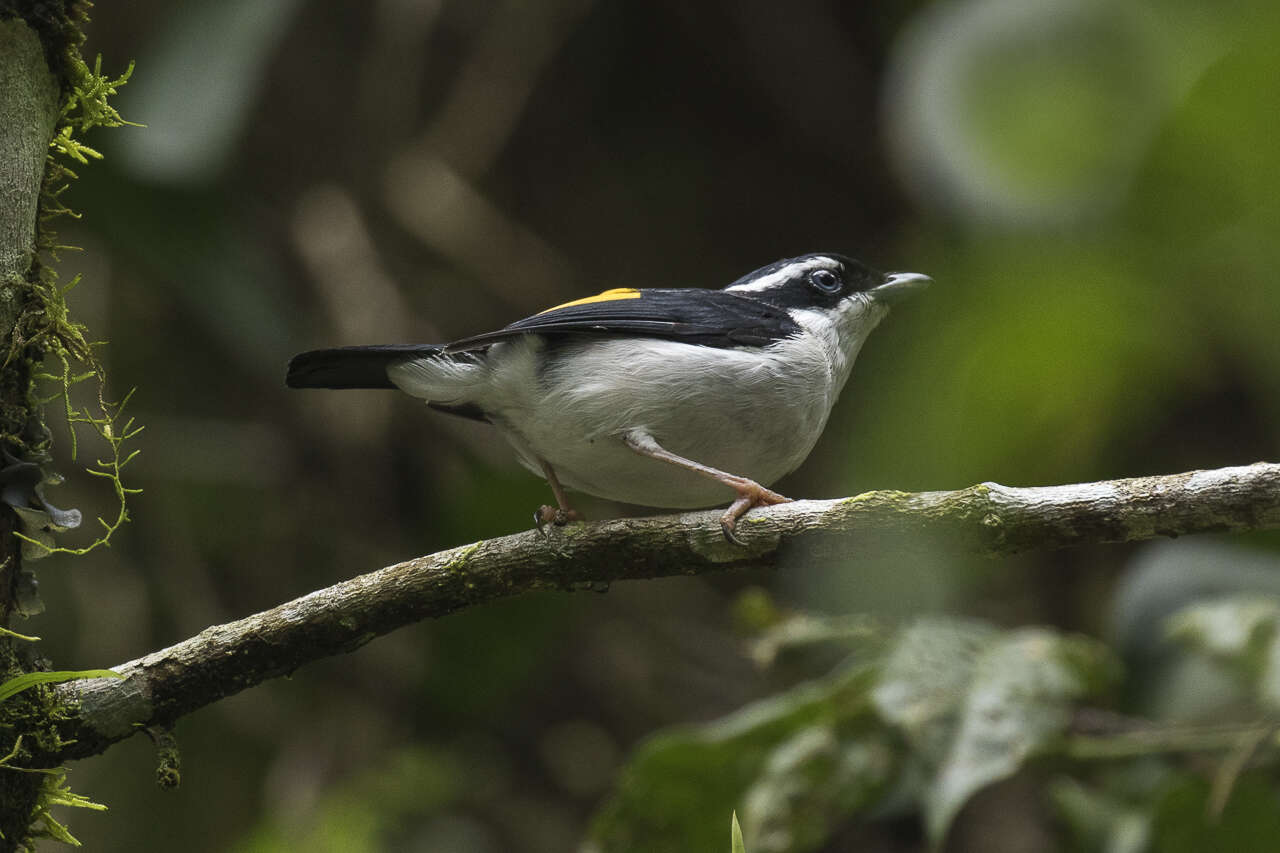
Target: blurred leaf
[[1164, 577], [972, 702], [1018, 701], [923, 679], [813, 781], [1161, 579], [1241, 631], [820, 733], [1229, 628], [807, 629], [975, 703]]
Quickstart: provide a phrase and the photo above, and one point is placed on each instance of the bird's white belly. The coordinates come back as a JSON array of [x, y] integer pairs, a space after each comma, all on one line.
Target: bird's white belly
[[749, 413]]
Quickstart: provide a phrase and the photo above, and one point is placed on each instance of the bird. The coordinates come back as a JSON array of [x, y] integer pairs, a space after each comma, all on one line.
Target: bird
[[664, 397]]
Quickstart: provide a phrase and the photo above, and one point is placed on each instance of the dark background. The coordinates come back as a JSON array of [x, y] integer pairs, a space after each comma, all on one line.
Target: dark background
[[1092, 188]]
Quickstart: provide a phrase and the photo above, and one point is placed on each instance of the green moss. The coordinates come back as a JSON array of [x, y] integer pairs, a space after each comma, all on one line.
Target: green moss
[[45, 331], [168, 758], [879, 496], [35, 713], [459, 563]]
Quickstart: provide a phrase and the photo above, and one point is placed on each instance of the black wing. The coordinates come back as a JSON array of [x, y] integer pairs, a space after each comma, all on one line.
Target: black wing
[[715, 318]]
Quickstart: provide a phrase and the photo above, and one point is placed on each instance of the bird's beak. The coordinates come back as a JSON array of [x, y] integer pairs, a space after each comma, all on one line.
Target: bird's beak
[[900, 285]]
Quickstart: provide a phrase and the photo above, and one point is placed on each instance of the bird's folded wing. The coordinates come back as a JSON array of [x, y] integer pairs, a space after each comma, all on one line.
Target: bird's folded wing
[[707, 317]]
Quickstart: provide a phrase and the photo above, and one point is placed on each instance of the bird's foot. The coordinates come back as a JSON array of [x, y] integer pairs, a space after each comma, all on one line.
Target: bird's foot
[[559, 516], [750, 494]]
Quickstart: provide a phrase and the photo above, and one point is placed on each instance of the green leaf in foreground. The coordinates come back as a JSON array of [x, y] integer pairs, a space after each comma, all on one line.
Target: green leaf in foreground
[[812, 782], [923, 680], [801, 760], [1017, 702], [952, 706], [31, 679], [735, 836], [974, 703]]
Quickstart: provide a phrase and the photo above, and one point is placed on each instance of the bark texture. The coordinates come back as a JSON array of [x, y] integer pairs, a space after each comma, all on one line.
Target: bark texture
[[29, 96], [29, 99], [28, 109]]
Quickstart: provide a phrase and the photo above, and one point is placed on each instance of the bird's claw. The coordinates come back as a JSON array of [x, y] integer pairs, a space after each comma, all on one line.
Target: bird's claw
[[750, 494], [557, 516], [726, 527]]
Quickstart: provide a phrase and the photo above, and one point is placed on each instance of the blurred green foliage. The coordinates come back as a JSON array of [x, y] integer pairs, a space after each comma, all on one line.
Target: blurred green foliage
[[1094, 189], [948, 708]]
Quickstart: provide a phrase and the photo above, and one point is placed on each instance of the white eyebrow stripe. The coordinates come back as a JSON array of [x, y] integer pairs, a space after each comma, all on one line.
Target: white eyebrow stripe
[[789, 271]]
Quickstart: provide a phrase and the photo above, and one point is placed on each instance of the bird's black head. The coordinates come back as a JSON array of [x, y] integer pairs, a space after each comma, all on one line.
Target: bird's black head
[[822, 280], [817, 280]]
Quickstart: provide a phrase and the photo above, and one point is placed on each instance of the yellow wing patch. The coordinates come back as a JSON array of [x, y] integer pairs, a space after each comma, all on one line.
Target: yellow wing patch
[[608, 296]]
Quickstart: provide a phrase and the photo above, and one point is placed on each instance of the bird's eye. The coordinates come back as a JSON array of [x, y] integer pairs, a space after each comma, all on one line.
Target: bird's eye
[[825, 281]]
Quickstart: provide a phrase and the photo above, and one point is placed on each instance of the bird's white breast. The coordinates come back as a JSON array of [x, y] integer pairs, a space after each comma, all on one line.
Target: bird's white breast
[[752, 412]]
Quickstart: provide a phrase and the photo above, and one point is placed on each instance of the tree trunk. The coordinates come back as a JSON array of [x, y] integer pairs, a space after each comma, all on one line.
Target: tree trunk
[[29, 99]]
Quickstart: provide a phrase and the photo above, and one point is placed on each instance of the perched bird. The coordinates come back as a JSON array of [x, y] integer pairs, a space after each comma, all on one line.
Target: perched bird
[[662, 397]]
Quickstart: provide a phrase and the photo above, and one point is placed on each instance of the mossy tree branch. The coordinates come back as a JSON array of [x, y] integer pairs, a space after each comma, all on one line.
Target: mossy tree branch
[[30, 97], [985, 519], [29, 101]]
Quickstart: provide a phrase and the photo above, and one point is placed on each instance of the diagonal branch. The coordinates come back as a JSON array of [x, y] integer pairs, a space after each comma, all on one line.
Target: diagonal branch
[[985, 519]]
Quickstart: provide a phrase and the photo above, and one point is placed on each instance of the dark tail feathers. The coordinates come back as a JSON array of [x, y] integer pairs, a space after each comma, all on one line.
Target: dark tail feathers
[[351, 367]]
